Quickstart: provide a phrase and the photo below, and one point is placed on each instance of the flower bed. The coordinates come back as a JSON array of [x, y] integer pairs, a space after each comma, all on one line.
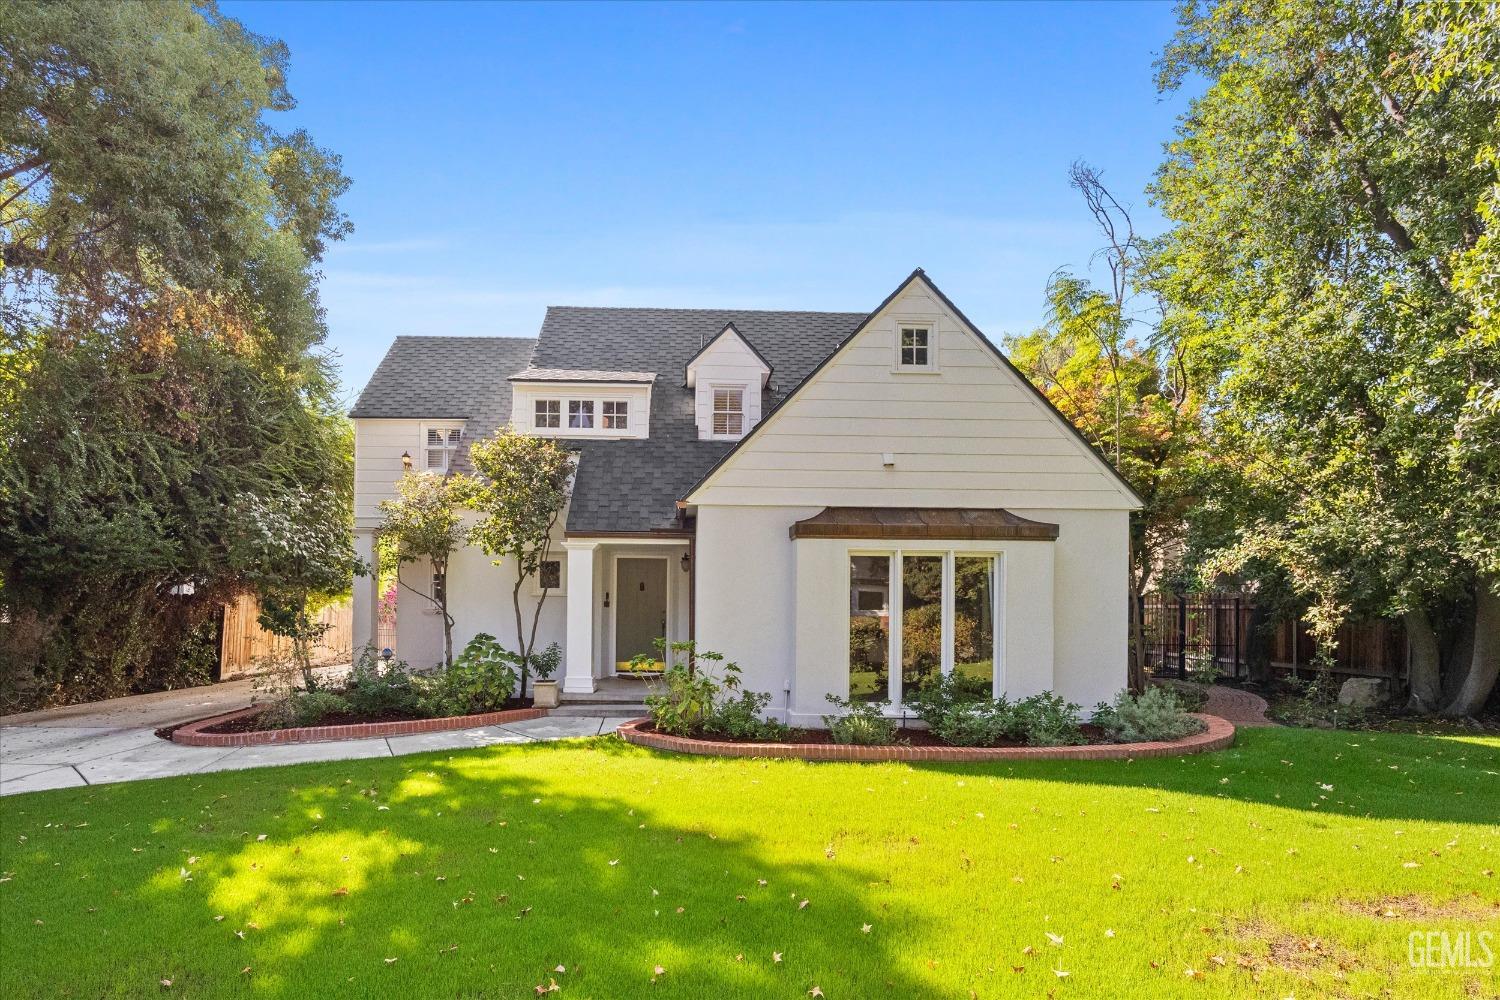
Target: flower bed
[[195, 734], [1217, 734]]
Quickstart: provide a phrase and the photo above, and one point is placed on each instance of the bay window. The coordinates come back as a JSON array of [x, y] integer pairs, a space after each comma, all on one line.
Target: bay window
[[940, 620]]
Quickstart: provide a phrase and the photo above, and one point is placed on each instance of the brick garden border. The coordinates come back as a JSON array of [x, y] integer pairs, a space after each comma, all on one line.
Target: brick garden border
[[1218, 735], [192, 734]]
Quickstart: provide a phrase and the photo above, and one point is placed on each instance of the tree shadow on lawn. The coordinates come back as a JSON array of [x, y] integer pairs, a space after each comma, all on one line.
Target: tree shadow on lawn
[[1375, 775], [480, 875]]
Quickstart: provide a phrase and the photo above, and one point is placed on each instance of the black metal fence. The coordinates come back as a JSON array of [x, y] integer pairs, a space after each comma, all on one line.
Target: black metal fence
[[1187, 634]]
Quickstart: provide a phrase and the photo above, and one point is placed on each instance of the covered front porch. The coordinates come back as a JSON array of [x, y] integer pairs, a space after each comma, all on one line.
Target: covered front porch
[[623, 594]]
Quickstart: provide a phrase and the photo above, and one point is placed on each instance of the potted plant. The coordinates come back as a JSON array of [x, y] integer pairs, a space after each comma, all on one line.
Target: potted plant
[[543, 666]]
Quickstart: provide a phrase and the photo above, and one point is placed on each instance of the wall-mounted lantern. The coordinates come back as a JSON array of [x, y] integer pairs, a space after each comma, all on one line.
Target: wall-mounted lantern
[[406, 461]]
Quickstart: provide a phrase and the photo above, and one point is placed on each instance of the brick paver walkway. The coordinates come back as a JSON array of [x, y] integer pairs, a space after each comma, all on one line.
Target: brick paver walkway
[[1240, 707]]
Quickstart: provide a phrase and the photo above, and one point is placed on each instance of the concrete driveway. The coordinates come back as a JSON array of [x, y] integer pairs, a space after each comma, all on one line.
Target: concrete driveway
[[116, 740]]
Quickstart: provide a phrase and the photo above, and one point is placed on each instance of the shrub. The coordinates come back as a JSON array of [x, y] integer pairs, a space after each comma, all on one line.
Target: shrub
[[377, 689], [743, 718], [1156, 714], [862, 723], [940, 698], [301, 708], [1046, 720], [984, 723], [1190, 695], [545, 663], [482, 679]]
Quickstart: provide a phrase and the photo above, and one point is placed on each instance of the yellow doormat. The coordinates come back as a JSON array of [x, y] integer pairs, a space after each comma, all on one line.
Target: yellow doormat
[[626, 667]]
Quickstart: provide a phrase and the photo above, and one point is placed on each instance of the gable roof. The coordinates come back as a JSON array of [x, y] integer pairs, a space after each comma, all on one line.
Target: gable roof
[[630, 485], [731, 328], [921, 275]]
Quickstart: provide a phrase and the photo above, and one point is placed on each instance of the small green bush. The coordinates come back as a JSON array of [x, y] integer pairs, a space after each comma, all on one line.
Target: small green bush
[[482, 679], [938, 699], [301, 708], [743, 718], [984, 723], [1157, 714], [545, 663], [862, 723], [376, 689], [1046, 720]]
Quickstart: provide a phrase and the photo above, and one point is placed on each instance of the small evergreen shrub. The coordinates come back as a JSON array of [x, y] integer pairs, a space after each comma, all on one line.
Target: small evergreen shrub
[[376, 689], [1157, 714], [482, 679], [1046, 720], [942, 696], [743, 718], [985, 723], [301, 708], [861, 723]]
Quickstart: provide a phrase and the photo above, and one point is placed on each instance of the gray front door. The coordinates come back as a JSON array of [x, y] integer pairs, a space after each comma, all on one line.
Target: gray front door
[[640, 608]]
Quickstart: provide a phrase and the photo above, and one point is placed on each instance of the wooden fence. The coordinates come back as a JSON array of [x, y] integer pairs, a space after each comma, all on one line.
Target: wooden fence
[[245, 643], [1183, 633]]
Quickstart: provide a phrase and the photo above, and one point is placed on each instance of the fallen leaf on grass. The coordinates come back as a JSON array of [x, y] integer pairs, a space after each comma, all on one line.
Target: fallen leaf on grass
[[775, 957]]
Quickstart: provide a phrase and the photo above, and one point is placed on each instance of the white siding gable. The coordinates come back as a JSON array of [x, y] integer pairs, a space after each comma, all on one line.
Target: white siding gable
[[726, 363], [378, 446], [970, 432]]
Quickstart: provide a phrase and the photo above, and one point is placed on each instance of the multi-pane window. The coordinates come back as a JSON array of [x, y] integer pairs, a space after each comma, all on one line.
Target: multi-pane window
[[549, 574], [581, 413], [442, 444], [916, 347], [940, 620], [616, 414], [439, 587], [548, 413], [729, 411]]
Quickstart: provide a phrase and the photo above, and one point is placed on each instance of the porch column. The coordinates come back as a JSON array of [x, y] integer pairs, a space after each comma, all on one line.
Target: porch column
[[365, 603], [578, 667]]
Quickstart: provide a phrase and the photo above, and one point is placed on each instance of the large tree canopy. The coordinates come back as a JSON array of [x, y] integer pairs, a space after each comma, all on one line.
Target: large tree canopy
[[1332, 195], [161, 370]]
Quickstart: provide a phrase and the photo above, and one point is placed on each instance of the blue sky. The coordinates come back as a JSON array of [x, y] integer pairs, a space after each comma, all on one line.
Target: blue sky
[[510, 157]]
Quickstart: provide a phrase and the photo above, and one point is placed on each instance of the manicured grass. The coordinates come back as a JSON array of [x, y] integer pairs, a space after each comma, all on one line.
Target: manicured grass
[[1266, 870]]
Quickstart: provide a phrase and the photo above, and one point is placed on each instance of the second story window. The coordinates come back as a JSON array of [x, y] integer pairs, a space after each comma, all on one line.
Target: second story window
[[916, 347], [548, 413], [729, 411], [442, 445], [581, 413], [616, 415]]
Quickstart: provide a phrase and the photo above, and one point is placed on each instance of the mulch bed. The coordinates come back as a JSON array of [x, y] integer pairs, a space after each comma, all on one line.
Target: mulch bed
[[1217, 734], [242, 727], [251, 723], [904, 737]]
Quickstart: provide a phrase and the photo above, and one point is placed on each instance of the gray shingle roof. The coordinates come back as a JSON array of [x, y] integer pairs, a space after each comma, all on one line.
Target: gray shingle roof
[[579, 375], [432, 377], [632, 486]]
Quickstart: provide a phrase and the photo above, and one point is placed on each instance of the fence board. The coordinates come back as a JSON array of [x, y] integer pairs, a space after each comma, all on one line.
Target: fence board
[[245, 643]]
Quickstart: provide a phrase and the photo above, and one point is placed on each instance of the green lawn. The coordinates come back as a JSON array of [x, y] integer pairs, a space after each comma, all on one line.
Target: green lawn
[[1268, 870]]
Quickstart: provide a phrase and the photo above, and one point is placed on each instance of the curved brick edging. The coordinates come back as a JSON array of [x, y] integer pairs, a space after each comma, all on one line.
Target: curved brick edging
[[1218, 735], [192, 734]]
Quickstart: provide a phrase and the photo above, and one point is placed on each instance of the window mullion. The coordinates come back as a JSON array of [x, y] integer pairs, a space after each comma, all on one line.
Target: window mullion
[[893, 655], [947, 614]]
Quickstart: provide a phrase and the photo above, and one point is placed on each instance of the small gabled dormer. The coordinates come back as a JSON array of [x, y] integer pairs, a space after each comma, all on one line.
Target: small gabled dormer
[[727, 376]]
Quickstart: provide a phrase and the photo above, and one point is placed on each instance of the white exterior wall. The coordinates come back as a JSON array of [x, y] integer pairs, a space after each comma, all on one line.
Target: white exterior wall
[[378, 445], [780, 608], [727, 363], [970, 433]]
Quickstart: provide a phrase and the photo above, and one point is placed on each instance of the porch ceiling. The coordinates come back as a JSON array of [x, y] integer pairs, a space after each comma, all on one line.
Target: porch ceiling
[[921, 522]]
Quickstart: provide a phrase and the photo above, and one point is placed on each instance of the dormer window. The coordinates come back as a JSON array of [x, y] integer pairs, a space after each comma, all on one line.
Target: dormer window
[[548, 413], [442, 445], [729, 411], [581, 414], [914, 346]]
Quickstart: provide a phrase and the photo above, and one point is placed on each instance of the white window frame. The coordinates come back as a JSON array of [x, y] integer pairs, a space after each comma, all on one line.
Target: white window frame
[[713, 411], [450, 450], [582, 402], [897, 612], [606, 417], [916, 323], [551, 408]]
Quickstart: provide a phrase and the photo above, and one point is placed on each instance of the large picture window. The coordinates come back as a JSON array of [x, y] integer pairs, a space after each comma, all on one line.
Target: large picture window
[[939, 620]]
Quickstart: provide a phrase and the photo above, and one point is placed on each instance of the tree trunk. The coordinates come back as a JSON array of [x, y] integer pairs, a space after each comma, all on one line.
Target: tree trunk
[[1425, 678], [447, 620], [1484, 662], [515, 599]]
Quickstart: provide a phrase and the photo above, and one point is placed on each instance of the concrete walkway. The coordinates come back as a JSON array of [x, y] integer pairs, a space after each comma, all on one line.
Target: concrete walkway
[[116, 740]]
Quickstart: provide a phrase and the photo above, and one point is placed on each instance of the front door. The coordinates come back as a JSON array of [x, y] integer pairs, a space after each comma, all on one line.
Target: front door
[[640, 610]]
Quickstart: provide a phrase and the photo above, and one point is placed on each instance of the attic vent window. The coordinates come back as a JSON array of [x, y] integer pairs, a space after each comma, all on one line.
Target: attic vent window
[[442, 444], [729, 412], [581, 413], [616, 414], [548, 413], [916, 347]]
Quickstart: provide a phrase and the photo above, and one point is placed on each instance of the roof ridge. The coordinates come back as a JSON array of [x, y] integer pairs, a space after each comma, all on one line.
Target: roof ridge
[[457, 336]]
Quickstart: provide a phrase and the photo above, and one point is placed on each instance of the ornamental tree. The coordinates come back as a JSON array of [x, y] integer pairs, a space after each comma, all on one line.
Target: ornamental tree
[[424, 520], [1333, 200], [520, 492]]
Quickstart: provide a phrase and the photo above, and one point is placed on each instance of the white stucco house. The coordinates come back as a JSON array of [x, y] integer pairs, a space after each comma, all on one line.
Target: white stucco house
[[841, 503]]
